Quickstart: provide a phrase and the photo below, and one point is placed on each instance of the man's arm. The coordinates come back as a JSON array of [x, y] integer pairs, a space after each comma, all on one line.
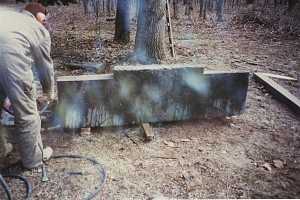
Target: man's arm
[[44, 66]]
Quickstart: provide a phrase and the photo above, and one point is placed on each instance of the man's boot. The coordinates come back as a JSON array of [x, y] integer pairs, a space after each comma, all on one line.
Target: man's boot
[[47, 153]]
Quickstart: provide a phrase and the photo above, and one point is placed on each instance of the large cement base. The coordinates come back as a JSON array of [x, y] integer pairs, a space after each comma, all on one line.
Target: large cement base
[[153, 93]]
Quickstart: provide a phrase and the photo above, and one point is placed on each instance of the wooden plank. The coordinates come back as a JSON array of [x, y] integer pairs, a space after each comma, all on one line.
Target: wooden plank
[[96, 77], [279, 76], [148, 131], [279, 92], [155, 67]]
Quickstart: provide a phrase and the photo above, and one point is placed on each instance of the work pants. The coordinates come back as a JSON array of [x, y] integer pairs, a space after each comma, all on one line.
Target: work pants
[[22, 95]]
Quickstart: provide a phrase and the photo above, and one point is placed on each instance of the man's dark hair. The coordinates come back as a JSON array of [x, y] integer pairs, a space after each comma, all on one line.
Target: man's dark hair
[[35, 8]]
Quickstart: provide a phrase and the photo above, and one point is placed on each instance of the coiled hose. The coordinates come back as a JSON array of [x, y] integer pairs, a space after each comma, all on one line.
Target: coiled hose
[[6, 187], [99, 167]]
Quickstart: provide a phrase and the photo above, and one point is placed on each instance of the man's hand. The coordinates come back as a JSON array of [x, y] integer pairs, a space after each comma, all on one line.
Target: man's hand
[[47, 97], [7, 104], [50, 96]]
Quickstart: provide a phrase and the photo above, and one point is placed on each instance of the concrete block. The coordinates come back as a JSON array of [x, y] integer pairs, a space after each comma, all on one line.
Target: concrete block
[[154, 93]]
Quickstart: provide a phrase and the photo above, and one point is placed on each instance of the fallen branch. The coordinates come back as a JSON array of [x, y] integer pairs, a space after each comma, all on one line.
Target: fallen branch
[[164, 157]]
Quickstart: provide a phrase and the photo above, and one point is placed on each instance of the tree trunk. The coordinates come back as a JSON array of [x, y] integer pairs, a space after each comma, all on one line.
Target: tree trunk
[[85, 6], [149, 42], [201, 5], [175, 8], [189, 8], [220, 10], [205, 8], [291, 5], [122, 29], [112, 5], [108, 8], [248, 2]]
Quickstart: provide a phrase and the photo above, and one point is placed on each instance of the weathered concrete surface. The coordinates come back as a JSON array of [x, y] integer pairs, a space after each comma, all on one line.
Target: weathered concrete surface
[[152, 93]]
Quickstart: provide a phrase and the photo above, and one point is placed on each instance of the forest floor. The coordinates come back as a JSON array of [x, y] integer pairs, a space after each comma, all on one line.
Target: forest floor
[[254, 155]]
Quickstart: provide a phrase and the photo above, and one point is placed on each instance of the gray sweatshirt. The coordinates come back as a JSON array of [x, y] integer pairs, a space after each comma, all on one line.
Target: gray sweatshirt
[[26, 43]]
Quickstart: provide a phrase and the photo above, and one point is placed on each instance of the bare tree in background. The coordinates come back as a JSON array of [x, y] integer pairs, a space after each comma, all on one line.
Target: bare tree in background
[[188, 8], [175, 8], [149, 41], [122, 28], [291, 4], [220, 10]]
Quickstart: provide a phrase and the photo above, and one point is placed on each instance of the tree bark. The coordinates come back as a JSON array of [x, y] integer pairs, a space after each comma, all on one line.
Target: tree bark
[[248, 2], [201, 5], [205, 9], [175, 9], [149, 43], [108, 7], [122, 28], [220, 10], [291, 5]]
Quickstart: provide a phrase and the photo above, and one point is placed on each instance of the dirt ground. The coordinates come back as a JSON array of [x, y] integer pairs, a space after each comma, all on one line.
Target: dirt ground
[[255, 155]]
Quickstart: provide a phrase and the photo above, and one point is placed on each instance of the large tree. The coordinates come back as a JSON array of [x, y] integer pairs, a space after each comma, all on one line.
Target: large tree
[[122, 29], [149, 41], [220, 10]]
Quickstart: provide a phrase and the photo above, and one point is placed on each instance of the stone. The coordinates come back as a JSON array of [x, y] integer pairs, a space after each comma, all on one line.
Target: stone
[[278, 164], [150, 94], [267, 166], [170, 144]]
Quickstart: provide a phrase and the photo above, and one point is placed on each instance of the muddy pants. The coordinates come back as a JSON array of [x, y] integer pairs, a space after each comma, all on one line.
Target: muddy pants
[[3, 135], [3, 143], [22, 95]]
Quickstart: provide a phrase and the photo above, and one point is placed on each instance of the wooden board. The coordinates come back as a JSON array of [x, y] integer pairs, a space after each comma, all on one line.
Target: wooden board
[[148, 131], [279, 92], [279, 76]]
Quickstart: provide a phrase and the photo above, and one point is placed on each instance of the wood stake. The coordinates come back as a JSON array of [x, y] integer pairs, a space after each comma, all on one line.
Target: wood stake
[[170, 32], [148, 131]]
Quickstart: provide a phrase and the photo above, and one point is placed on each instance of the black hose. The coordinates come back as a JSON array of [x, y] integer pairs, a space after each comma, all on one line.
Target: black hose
[[101, 170], [27, 184], [7, 190], [5, 187]]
